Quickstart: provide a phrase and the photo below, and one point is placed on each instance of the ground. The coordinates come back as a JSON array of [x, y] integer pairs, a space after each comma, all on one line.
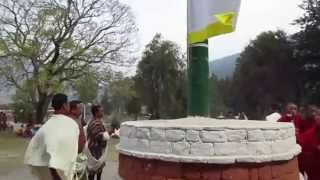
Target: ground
[[11, 159]]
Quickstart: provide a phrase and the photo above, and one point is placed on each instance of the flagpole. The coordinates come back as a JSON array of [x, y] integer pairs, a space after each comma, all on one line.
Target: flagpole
[[198, 77]]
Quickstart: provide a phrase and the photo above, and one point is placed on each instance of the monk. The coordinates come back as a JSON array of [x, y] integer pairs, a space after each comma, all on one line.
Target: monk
[[291, 114], [309, 119], [309, 159], [52, 152]]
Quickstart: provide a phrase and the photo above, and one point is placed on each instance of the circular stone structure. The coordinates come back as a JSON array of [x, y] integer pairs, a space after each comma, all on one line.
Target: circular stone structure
[[207, 149]]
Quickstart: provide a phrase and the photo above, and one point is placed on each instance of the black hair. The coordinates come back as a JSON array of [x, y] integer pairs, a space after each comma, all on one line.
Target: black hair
[[58, 100], [73, 104], [94, 109]]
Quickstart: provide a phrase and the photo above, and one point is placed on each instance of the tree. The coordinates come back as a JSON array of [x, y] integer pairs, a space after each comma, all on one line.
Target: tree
[[87, 87], [160, 79], [50, 42], [134, 107], [216, 100], [266, 73], [307, 45], [22, 104], [121, 91]]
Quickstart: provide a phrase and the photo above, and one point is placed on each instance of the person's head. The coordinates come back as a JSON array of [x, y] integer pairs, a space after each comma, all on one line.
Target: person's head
[[97, 111], [60, 104], [75, 109], [291, 108], [317, 117], [311, 111]]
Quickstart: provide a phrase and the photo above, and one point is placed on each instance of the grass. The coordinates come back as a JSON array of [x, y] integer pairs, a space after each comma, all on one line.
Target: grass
[[12, 150]]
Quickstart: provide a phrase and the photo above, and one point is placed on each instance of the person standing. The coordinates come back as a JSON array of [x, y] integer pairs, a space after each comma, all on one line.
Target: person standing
[[309, 158], [292, 115], [75, 113], [96, 147], [309, 120], [52, 152]]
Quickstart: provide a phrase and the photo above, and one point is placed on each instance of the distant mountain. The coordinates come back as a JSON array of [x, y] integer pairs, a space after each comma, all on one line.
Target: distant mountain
[[224, 67]]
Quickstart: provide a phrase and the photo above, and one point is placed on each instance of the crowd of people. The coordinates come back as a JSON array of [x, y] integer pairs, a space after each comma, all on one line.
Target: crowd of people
[[53, 151], [307, 125]]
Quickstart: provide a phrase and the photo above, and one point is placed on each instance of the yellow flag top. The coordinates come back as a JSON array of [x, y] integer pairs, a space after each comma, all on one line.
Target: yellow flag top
[[208, 18]]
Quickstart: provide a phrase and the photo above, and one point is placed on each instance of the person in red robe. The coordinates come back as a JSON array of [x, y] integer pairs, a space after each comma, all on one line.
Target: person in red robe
[[309, 158], [308, 121], [292, 115]]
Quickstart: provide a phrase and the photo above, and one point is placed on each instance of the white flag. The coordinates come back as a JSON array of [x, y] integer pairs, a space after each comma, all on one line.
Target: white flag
[[207, 18]]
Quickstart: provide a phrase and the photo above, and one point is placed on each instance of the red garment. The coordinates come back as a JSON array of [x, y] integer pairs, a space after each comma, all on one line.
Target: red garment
[[307, 124], [309, 159], [296, 119]]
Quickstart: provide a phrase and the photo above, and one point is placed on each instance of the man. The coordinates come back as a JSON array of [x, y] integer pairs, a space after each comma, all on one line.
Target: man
[[52, 152], [75, 112], [309, 159], [309, 120], [96, 149], [291, 115]]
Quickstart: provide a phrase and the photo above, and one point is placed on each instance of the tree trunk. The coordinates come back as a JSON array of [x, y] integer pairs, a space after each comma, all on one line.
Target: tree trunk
[[42, 107]]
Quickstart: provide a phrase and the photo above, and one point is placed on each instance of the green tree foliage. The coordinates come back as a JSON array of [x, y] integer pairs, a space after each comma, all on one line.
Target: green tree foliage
[[121, 91], [216, 100], [87, 87], [51, 42], [160, 79], [134, 107], [266, 73], [307, 49]]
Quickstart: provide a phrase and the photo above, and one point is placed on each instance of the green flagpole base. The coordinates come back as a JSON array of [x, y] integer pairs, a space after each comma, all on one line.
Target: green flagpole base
[[198, 75]]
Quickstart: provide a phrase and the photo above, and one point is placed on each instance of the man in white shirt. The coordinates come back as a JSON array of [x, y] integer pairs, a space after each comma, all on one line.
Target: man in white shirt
[[52, 152]]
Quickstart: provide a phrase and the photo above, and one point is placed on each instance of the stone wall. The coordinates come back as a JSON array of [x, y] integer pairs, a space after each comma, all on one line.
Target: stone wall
[[132, 168], [206, 149], [208, 141]]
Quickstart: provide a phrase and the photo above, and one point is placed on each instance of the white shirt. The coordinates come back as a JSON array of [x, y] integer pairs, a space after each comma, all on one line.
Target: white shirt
[[55, 145], [274, 117]]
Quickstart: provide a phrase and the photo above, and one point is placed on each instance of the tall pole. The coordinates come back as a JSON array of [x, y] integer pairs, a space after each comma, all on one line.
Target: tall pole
[[198, 77]]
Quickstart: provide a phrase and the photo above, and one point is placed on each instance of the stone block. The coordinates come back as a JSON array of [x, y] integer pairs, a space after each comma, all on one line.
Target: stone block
[[175, 135], [143, 133], [142, 145], [202, 149], [236, 135], [230, 149], [271, 135], [157, 134], [192, 136], [259, 148], [213, 136], [181, 148], [255, 135], [160, 147]]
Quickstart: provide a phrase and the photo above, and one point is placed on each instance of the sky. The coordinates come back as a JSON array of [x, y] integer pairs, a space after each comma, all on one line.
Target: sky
[[169, 17]]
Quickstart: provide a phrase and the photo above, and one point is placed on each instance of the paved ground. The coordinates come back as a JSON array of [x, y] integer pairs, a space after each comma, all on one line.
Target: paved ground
[[110, 173]]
